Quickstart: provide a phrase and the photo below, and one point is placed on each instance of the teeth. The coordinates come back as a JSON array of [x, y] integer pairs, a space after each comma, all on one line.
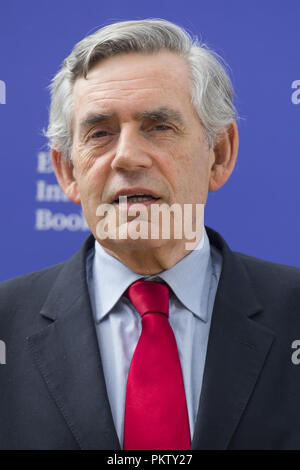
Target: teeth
[[139, 198]]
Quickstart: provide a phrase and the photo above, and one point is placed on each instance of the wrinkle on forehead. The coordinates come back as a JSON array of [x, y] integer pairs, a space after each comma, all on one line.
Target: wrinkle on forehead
[[117, 79], [130, 97], [138, 80], [132, 68], [97, 86], [97, 91], [86, 94]]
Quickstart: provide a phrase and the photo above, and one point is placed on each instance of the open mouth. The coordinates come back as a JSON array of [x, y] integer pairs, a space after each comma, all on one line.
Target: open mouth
[[141, 198]]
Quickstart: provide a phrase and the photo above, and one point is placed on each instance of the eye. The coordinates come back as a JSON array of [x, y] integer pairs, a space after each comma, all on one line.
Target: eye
[[162, 127], [99, 134]]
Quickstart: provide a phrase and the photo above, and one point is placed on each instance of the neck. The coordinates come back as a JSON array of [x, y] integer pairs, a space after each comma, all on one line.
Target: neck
[[153, 260]]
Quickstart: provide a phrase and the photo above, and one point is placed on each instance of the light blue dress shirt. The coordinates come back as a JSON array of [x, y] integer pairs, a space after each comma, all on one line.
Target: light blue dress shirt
[[193, 280]]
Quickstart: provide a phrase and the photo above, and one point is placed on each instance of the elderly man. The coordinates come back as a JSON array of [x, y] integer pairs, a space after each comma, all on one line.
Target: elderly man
[[142, 342]]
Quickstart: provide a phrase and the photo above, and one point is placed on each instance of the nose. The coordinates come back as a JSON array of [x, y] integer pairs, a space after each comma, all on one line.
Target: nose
[[131, 151]]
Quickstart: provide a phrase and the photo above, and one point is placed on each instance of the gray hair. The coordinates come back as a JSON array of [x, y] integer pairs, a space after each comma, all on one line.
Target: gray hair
[[211, 88]]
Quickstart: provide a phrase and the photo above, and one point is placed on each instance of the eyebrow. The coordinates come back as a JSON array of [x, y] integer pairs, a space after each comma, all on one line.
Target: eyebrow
[[94, 118], [161, 114]]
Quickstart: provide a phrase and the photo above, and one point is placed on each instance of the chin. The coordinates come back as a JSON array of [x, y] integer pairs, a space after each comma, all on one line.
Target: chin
[[133, 245]]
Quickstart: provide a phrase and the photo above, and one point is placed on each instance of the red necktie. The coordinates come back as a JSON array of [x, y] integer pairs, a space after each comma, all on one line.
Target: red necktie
[[156, 416]]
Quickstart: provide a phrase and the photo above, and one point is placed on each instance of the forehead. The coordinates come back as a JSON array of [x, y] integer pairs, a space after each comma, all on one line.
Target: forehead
[[127, 83]]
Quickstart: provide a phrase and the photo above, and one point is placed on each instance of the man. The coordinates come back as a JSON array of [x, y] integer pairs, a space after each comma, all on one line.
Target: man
[[143, 342]]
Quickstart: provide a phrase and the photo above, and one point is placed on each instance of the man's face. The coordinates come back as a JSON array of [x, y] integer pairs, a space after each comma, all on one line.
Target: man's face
[[134, 127]]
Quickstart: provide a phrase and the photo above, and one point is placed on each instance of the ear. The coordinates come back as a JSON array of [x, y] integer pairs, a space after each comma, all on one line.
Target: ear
[[224, 157], [65, 175]]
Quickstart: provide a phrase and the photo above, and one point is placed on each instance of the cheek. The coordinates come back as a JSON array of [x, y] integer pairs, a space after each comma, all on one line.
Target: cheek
[[85, 159], [193, 170], [189, 164], [91, 176], [197, 160]]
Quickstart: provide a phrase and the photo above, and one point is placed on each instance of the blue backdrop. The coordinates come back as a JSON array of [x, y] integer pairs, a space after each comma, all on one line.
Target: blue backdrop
[[256, 211]]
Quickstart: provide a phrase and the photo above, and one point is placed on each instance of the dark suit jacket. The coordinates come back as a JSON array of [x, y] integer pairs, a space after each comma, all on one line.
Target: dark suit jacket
[[52, 388]]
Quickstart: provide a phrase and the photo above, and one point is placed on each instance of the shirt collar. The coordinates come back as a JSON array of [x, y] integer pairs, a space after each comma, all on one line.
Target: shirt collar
[[189, 279]]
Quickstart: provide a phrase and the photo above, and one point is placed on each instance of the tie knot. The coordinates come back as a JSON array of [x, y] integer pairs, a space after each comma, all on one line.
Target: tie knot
[[149, 296]]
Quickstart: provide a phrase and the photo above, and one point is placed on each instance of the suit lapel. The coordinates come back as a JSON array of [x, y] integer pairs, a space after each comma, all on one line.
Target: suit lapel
[[236, 352], [67, 355]]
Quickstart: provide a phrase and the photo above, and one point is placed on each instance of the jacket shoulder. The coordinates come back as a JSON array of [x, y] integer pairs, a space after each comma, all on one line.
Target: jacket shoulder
[[277, 286], [26, 293], [271, 272], [32, 288]]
